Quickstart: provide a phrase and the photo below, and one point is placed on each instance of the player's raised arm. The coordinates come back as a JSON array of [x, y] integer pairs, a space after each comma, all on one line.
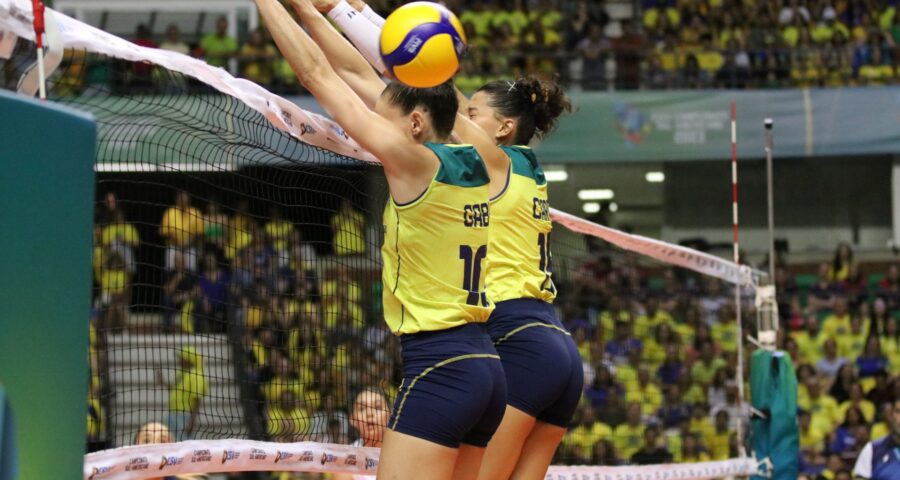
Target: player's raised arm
[[405, 162], [349, 64]]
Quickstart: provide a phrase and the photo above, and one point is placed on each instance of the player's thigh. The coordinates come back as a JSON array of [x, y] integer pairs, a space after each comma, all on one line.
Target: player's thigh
[[468, 462], [505, 447], [404, 457], [538, 451]]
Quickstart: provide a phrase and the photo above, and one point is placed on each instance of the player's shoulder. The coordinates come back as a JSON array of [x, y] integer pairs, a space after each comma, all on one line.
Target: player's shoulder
[[524, 162]]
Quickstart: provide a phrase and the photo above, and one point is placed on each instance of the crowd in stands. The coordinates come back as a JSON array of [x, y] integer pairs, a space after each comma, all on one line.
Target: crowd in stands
[[663, 44], [659, 346]]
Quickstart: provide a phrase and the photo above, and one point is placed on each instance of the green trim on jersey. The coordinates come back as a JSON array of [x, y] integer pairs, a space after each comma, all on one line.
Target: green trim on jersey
[[524, 163], [461, 165]]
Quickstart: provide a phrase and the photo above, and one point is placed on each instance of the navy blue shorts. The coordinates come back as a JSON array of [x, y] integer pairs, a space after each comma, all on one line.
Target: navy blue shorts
[[453, 389], [544, 375]]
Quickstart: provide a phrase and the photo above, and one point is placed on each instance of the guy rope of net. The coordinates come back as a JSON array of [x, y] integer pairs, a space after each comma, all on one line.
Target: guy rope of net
[[280, 161]]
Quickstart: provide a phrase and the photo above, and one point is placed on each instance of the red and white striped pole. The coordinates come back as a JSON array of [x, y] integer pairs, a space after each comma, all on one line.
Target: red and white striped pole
[[37, 7], [737, 288]]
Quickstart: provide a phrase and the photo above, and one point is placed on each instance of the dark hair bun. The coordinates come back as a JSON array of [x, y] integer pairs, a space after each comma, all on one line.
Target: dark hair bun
[[536, 104], [549, 102]]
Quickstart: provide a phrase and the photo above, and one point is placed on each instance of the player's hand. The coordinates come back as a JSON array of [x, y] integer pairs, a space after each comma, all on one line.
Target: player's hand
[[324, 6], [357, 5]]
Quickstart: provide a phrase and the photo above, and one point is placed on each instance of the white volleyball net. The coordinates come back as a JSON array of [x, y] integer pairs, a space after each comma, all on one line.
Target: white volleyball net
[[237, 284]]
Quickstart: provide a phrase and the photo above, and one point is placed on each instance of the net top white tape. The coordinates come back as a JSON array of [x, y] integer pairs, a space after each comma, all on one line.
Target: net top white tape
[[16, 16], [211, 456]]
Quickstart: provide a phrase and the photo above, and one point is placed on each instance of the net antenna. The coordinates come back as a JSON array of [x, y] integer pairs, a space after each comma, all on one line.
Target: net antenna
[[34, 78], [766, 304], [737, 287]]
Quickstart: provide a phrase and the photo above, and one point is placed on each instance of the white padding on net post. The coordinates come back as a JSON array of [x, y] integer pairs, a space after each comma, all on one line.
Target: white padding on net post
[[212, 456], [16, 16]]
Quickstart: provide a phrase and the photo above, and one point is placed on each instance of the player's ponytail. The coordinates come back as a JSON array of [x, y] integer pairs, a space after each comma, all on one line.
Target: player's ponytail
[[535, 104]]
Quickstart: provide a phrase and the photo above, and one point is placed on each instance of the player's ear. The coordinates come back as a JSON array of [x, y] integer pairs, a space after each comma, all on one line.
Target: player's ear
[[506, 128], [416, 123]]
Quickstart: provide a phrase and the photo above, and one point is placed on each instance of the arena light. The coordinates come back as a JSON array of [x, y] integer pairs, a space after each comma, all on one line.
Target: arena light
[[591, 207], [556, 174], [596, 194], [613, 207], [655, 177]]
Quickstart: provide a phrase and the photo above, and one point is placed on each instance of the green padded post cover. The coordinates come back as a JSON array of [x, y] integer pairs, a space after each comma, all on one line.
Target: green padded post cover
[[773, 390], [46, 202]]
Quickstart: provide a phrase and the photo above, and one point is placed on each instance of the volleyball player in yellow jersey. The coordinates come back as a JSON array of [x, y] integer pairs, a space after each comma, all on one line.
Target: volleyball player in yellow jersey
[[524, 327], [436, 234]]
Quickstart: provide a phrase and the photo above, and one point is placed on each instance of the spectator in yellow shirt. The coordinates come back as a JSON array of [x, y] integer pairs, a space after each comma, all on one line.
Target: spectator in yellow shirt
[[724, 331], [720, 439], [852, 344], [646, 324], [839, 271], [812, 440], [876, 71], [837, 324], [257, 58], [287, 420], [858, 400], [705, 367], [349, 230], [115, 295], [181, 224], [822, 408], [644, 392], [691, 450], [588, 431], [186, 394], [810, 340], [121, 237], [628, 437]]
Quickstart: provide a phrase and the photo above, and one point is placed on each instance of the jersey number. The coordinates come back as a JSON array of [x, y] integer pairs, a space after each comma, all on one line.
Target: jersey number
[[472, 273], [546, 264]]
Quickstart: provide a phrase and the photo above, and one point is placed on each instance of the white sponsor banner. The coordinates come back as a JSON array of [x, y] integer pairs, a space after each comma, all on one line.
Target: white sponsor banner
[[211, 456], [314, 129]]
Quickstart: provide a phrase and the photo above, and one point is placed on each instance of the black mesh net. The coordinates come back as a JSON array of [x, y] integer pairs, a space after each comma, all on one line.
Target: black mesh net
[[237, 287]]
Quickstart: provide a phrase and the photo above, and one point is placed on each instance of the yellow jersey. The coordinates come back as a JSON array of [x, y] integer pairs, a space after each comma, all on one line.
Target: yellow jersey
[[435, 248], [519, 265]]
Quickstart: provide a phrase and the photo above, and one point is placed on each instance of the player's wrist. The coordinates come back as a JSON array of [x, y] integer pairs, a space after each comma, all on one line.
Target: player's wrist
[[340, 8]]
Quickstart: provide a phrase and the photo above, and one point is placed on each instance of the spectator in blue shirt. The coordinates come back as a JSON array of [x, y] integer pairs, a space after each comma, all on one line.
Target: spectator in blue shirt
[[880, 459], [619, 347], [872, 360]]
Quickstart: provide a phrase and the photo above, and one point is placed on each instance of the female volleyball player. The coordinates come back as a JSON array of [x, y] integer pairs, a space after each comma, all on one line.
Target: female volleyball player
[[436, 232], [524, 326]]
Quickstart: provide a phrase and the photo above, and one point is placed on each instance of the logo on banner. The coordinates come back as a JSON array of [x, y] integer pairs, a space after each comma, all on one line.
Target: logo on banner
[[287, 118], [136, 464], [307, 456], [328, 458], [306, 128], [371, 463], [340, 131], [170, 461], [257, 454], [283, 456], [100, 471], [230, 456], [201, 456], [631, 123], [351, 460]]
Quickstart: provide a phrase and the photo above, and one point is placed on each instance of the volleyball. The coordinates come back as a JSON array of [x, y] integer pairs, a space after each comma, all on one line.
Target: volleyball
[[422, 44]]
